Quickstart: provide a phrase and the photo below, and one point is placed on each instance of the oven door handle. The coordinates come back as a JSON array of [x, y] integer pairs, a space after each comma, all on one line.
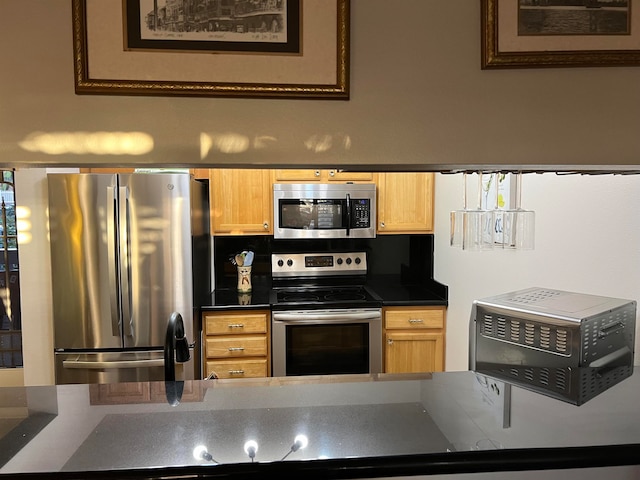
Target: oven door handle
[[310, 317]]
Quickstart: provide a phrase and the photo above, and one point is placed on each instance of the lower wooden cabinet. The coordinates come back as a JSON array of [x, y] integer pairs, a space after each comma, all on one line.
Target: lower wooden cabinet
[[236, 344], [414, 339]]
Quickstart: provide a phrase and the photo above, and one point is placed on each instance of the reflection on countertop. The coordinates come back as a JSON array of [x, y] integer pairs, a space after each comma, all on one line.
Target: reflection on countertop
[[394, 424]]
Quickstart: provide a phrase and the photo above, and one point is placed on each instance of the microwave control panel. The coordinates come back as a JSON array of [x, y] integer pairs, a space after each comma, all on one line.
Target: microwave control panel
[[360, 209]]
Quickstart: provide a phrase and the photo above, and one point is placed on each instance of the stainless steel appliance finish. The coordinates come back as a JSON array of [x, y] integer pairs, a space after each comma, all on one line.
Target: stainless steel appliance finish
[[324, 319], [567, 345], [123, 250], [324, 210], [322, 342]]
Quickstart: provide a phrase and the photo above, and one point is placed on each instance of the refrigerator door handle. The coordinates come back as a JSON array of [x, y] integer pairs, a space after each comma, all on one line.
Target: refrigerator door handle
[[125, 265], [91, 365], [112, 261]]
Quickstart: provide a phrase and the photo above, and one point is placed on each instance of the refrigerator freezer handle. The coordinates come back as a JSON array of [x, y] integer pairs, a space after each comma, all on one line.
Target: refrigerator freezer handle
[[125, 272], [88, 364], [113, 261]]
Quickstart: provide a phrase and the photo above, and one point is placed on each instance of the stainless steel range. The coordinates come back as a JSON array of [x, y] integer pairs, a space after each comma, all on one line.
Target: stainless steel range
[[324, 318]]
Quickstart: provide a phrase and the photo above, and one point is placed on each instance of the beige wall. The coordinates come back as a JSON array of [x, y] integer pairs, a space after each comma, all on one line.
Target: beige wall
[[418, 97]]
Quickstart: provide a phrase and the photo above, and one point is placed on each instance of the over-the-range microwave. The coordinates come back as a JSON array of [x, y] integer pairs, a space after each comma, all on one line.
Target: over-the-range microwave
[[306, 210]]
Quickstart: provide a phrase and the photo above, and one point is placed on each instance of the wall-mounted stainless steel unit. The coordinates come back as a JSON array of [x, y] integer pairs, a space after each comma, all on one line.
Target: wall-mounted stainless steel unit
[[346, 210], [570, 346]]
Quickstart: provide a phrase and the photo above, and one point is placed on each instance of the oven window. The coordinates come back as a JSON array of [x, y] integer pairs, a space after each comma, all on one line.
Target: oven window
[[311, 214], [327, 349]]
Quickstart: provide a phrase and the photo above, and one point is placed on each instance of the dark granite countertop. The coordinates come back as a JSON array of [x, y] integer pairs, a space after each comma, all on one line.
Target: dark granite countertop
[[356, 426], [395, 292], [391, 288]]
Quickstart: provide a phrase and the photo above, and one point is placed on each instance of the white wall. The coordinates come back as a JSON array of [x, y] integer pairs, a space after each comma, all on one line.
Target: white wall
[[587, 241]]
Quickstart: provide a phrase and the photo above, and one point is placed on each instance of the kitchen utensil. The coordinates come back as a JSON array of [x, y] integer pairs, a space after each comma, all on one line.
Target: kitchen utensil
[[248, 260], [239, 260]]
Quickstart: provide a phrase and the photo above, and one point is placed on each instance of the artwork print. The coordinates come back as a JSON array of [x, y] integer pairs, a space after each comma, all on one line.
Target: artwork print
[[232, 26]]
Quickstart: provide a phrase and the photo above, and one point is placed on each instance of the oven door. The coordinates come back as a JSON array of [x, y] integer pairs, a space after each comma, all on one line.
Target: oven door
[[326, 342]]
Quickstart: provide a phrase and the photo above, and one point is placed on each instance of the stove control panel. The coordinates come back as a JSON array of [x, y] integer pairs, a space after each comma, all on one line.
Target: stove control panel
[[318, 264]]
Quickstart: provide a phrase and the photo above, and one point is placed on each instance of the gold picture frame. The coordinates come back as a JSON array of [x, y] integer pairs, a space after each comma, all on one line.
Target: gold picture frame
[[102, 66], [502, 47]]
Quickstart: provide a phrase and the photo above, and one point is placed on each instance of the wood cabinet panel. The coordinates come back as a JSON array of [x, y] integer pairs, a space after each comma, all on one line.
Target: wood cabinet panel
[[414, 319], [321, 176], [241, 201], [237, 368], [414, 339], [405, 202], [237, 344], [235, 323], [241, 346], [413, 352]]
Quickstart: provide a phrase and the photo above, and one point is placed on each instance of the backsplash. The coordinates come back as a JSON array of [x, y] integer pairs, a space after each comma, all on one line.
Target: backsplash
[[410, 256]]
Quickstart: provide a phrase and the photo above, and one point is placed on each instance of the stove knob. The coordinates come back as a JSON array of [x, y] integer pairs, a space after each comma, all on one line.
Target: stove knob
[[280, 263], [339, 261], [358, 260], [289, 262], [348, 261]]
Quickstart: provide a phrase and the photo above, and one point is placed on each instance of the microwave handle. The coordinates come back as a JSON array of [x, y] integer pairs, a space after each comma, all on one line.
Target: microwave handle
[[348, 213]]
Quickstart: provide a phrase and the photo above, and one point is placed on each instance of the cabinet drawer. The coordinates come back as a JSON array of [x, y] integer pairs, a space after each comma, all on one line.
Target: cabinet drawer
[[225, 324], [237, 368], [242, 346], [414, 318]]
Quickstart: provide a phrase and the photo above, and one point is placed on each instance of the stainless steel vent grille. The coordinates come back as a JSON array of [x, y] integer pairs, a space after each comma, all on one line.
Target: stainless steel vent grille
[[556, 379], [532, 297], [530, 334]]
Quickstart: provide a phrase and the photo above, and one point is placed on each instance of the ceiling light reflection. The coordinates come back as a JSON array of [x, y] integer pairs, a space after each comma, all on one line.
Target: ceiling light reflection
[[319, 143], [80, 143]]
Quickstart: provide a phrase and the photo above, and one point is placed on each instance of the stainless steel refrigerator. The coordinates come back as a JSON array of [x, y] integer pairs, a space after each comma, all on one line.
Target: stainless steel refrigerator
[[127, 250]]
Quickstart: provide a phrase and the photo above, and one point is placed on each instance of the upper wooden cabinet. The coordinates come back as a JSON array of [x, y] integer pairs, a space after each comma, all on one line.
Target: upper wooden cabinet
[[241, 201], [405, 203], [321, 176]]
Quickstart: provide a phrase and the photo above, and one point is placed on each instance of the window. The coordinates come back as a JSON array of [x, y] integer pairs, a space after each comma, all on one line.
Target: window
[[10, 321]]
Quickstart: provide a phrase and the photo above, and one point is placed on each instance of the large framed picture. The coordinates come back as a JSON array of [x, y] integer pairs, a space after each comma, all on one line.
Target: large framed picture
[[226, 48], [560, 33]]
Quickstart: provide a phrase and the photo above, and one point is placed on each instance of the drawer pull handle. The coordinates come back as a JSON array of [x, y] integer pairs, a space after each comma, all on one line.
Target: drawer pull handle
[[236, 372], [236, 349], [236, 325], [416, 320]]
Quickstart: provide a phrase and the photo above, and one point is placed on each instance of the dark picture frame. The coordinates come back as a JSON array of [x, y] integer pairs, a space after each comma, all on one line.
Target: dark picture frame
[[317, 68], [502, 47]]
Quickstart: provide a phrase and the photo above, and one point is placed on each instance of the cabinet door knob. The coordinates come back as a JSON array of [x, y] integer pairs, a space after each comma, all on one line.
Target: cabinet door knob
[[317, 173], [390, 341], [332, 173], [266, 225], [381, 224]]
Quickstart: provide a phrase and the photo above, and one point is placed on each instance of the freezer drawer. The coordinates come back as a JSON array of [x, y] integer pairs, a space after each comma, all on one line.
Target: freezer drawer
[[116, 367]]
